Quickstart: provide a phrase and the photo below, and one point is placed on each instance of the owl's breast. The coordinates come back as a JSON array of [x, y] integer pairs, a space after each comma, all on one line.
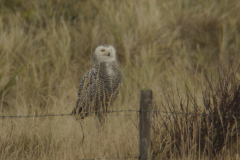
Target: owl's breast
[[110, 71]]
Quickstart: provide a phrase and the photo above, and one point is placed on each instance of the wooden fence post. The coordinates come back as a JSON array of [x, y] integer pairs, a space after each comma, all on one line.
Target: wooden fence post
[[145, 124]]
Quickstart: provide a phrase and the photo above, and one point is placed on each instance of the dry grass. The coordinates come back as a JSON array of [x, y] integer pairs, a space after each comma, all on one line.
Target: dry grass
[[199, 130], [46, 47]]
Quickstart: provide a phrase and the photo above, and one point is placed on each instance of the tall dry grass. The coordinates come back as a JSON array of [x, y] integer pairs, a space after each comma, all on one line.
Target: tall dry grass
[[46, 47]]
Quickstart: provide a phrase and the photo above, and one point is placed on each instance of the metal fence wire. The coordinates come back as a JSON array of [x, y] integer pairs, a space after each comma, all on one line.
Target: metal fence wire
[[237, 115], [119, 158]]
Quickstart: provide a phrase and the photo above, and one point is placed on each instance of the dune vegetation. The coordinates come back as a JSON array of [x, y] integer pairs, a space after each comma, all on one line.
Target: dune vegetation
[[187, 52]]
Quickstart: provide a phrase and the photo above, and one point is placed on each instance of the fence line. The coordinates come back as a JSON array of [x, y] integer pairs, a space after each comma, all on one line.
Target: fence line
[[111, 158], [70, 114], [118, 158], [164, 112]]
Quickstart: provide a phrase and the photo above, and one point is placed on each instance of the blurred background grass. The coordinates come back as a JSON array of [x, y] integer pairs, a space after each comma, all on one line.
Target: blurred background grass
[[46, 47]]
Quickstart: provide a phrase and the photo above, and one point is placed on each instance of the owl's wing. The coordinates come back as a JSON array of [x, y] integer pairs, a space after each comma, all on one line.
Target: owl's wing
[[86, 92], [87, 82], [116, 81]]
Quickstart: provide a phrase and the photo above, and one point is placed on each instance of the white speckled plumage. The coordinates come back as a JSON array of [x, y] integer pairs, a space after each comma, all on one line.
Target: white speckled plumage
[[100, 85]]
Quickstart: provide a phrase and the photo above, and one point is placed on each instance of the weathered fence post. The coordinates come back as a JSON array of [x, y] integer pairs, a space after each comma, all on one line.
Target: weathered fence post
[[145, 124]]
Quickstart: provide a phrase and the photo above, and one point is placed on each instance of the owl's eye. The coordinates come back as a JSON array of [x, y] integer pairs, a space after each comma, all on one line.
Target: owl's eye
[[102, 50]]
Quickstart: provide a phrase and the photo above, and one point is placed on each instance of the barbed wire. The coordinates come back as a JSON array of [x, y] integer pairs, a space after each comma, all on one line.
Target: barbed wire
[[110, 158], [118, 158], [236, 115], [70, 114]]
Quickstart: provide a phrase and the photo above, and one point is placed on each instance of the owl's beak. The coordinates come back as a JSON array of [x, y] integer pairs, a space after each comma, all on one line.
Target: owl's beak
[[108, 54]]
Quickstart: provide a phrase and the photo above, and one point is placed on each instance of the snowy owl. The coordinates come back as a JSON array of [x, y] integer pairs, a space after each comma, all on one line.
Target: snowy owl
[[100, 85]]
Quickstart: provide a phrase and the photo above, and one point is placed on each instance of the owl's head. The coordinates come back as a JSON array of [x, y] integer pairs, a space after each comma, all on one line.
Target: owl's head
[[104, 53]]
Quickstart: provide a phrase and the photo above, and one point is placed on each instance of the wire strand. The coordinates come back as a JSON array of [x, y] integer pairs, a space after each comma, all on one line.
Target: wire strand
[[109, 158], [118, 158], [119, 111]]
